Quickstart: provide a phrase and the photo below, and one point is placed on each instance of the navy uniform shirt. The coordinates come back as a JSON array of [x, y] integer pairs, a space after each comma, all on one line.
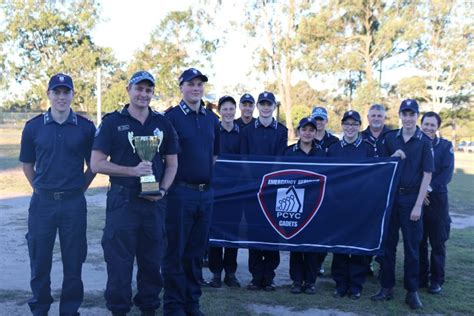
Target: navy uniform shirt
[[444, 164], [258, 139], [241, 123], [327, 140], [419, 156], [230, 141], [58, 151], [358, 149], [295, 151], [198, 134], [376, 142], [112, 140]]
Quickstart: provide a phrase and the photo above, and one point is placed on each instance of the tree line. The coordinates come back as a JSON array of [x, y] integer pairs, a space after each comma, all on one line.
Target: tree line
[[351, 42]]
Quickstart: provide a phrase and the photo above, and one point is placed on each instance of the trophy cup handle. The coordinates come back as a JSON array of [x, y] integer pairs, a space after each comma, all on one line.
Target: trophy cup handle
[[160, 140], [130, 139]]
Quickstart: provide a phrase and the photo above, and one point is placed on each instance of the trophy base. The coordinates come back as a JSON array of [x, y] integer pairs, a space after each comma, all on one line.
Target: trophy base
[[150, 188]]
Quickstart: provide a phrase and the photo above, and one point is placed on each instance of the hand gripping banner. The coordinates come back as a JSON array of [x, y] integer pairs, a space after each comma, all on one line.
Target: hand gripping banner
[[303, 204]]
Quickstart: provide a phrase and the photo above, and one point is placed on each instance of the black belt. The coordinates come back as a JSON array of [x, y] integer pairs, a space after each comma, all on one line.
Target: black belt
[[58, 195], [199, 187], [408, 190], [129, 192]]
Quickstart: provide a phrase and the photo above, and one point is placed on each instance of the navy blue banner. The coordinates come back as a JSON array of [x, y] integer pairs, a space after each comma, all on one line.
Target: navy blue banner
[[298, 204]]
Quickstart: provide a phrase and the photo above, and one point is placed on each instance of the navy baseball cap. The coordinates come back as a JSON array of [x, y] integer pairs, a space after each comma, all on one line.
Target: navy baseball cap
[[409, 105], [140, 76], [190, 74], [60, 80], [247, 98], [225, 99], [266, 96], [305, 121], [353, 115], [319, 112]]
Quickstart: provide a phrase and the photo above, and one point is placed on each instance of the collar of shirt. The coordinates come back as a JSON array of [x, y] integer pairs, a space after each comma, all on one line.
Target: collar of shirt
[[125, 111], [326, 136], [186, 109], [418, 133], [315, 146], [235, 128], [356, 143], [367, 131], [436, 141], [273, 124], [71, 119]]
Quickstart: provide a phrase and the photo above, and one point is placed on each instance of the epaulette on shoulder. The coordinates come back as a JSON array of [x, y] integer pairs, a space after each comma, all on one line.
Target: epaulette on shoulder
[[282, 125], [445, 140], [84, 116], [108, 114], [35, 117]]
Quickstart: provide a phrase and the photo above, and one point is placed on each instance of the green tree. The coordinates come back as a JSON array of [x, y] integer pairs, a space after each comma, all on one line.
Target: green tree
[[357, 36], [275, 24], [177, 43], [414, 87], [46, 37], [448, 51]]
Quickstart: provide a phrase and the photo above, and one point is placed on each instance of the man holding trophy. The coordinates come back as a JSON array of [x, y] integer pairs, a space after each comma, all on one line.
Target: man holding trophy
[[142, 146]]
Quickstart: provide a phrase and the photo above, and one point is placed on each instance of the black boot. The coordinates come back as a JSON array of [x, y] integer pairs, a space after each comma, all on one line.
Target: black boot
[[434, 288], [413, 300], [231, 280], [383, 294], [216, 280], [296, 288]]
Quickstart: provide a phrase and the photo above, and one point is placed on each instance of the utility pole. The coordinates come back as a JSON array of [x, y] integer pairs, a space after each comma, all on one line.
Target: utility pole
[[99, 96]]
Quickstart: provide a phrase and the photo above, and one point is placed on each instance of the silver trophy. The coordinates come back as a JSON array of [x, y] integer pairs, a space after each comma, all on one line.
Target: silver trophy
[[146, 147]]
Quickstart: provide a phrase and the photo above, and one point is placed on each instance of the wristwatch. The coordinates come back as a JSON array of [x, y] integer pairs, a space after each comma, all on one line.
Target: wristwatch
[[163, 192]]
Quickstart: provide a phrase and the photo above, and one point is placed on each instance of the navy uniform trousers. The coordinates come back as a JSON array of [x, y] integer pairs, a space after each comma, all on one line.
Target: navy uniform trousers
[[436, 229], [66, 215], [304, 266], [222, 259], [412, 232], [188, 218], [349, 271], [134, 227]]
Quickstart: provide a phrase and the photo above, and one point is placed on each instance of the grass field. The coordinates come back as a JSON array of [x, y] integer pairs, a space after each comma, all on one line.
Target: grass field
[[457, 296]]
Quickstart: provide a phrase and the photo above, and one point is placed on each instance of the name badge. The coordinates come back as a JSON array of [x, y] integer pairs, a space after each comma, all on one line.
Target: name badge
[[122, 128]]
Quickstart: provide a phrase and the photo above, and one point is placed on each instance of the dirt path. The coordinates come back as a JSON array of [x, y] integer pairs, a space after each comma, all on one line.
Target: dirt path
[[15, 272]]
